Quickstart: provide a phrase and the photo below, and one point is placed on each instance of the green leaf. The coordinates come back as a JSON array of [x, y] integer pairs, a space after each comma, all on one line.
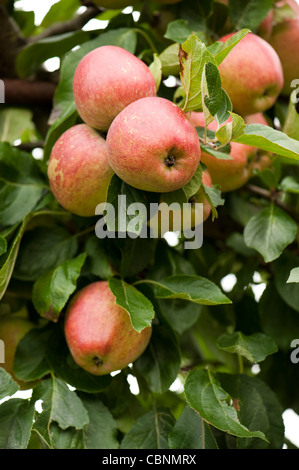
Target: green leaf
[[156, 70], [3, 246], [269, 139], [216, 100], [289, 184], [170, 60], [191, 432], [287, 290], [258, 407], [248, 13], [269, 232], [14, 122], [255, 347], [7, 385], [44, 249], [10, 258], [101, 431], [16, 420], [204, 394], [178, 31], [138, 306], [60, 404], [222, 49], [183, 194], [150, 431], [66, 120], [291, 122], [60, 11], [21, 184], [278, 320], [32, 56], [97, 259], [294, 275], [52, 290], [193, 56], [160, 362], [193, 288]]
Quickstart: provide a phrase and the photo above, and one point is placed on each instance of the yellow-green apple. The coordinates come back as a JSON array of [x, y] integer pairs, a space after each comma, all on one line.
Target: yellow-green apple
[[176, 220], [99, 332], [284, 39], [251, 74], [13, 328], [78, 170], [114, 4], [106, 80], [231, 173], [153, 146]]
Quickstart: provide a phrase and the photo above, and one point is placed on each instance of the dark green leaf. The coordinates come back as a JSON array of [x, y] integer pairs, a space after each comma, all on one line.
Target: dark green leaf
[[150, 431], [282, 268], [52, 290], [205, 394], [7, 385], [270, 232], [44, 249], [255, 347], [248, 13], [16, 420], [138, 306], [160, 362], [191, 432]]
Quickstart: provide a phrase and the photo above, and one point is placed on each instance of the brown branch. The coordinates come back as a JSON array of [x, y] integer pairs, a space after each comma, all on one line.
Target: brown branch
[[67, 26], [272, 197], [11, 42], [26, 92]]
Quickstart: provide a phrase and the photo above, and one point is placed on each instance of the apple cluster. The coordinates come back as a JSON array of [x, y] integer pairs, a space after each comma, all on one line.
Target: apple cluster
[[152, 145]]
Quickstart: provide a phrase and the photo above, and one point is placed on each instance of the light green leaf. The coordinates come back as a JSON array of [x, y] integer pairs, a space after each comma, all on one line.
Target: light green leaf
[[290, 185], [170, 60], [224, 48], [269, 139], [193, 288], [294, 275], [269, 232], [52, 290], [255, 347], [14, 122], [7, 385], [193, 56], [205, 395], [138, 306], [156, 70]]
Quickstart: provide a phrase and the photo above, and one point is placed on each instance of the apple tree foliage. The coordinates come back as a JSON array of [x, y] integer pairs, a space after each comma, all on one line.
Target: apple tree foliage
[[218, 371]]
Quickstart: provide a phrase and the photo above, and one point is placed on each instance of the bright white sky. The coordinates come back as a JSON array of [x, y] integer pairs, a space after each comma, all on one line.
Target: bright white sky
[[291, 419]]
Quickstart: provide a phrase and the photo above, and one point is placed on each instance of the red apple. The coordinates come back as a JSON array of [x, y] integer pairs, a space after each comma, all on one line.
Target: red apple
[[13, 328], [232, 173], [78, 171], [152, 146], [99, 332], [106, 80], [252, 75], [284, 39]]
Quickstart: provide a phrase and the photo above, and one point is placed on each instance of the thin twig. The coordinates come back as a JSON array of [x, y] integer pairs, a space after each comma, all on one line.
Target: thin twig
[[74, 24]]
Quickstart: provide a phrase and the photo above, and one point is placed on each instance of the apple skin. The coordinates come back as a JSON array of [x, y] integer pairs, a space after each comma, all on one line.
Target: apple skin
[[284, 39], [252, 85], [106, 80], [13, 328], [99, 333], [114, 4], [78, 170], [152, 146], [229, 174]]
